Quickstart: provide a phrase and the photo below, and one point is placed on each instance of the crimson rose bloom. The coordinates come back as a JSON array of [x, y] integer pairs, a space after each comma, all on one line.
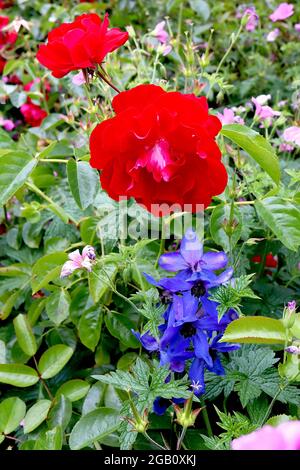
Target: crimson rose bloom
[[79, 45], [33, 114], [159, 148]]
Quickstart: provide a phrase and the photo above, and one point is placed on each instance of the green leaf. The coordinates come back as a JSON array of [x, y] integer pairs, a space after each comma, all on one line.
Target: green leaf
[[53, 360], [201, 7], [9, 304], [283, 218], [12, 65], [36, 415], [255, 330], [279, 419], [120, 327], [256, 146], [61, 413], [218, 223], [93, 427], [94, 398], [15, 166], [100, 279], [25, 335], [18, 375], [89, 327], [57, 306], [12, 411], [46, 269], [73, 389], [83, 181], [50, 440]]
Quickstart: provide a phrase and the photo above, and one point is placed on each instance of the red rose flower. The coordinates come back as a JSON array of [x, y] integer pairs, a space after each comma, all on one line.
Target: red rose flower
[[33, 114], [79, 45], [160, 149], [2, 63], [271, 261], [7, 38], [5, 4]]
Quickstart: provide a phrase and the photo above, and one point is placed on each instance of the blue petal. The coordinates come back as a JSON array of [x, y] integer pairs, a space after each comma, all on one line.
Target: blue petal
[[160, 405], [217, 367], [184, 309], [222, 278], [147, 341], [201, 347], [196, 375], [214, 260], [172, 262], [191, 248]]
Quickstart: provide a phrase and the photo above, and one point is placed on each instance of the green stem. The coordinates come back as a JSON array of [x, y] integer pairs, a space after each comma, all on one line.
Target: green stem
[[180, 439], [206, 419], [53, 160], [280, 389], [236, 36], [162, 241], [153, 441]]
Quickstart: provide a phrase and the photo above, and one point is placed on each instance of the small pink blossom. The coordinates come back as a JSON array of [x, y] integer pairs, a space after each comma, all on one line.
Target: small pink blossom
[[293, 349], [273, 35], [228, 117], [281, 103], [79, 261], [263, 99], [160, 33], [286, 436], [7, 124], [166, 49], [282, 12], [286, 148], [252, 18], [292, 134], [297, 27], [263, 112], [78, 79]]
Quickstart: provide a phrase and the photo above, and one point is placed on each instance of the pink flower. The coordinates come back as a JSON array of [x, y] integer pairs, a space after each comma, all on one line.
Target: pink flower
[[79, 261], [250, 12], [78, 79], [297, 27], [284, 11], [160, 33], [263, 112], [7, 124], [166, 49], [228, 117], [286, 148], [292, 134], [263, 99], [273, 35], [286, 436]]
